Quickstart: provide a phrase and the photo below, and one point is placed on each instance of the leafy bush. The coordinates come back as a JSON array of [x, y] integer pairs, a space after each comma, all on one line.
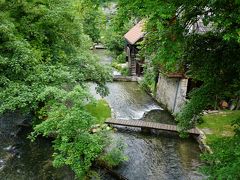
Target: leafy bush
[[114, 32], [121, 58], [75, 145], [200, 98], [224, 162], [116, 66], [148, 83], [115, 156], [125, 71]]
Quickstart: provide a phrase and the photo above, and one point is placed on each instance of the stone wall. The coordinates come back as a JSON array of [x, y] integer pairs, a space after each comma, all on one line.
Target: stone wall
[[171, 92]]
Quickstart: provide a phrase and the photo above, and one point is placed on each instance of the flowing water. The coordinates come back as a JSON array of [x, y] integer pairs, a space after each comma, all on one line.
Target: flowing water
[[152, 156], [21, 159]]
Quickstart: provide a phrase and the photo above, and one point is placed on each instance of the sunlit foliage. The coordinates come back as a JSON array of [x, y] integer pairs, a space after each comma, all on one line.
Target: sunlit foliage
[[201, 39], [45, 62]]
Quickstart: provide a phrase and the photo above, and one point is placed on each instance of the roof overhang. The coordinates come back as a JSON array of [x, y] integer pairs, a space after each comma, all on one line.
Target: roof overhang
[[135, 34]]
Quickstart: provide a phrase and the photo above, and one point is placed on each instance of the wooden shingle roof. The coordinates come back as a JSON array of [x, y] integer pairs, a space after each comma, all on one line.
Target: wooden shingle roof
[[135, 34]]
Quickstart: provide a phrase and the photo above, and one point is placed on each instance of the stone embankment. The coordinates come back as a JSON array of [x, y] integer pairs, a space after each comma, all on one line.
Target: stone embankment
[[125, 78], [201, 139]]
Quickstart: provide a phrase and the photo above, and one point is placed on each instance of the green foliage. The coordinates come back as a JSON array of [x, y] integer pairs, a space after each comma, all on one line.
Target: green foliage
[[91, 26], [45, 62], [149, 79], [125, 71], [224, 163], [113, 41], [94, 175], [116, 66], [93, 18], [121, 58], [114, 32], [115, 156], [221, 80], [40, 48], [70, 124], [189, 115], [100, 110]]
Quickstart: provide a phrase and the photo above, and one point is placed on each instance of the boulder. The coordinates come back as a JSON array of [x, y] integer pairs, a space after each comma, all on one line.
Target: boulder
[[224, 104]]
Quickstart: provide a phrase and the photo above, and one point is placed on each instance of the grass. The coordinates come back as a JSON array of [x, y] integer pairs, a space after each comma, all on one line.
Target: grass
[[100, 110], [116, 66], [219, 125]]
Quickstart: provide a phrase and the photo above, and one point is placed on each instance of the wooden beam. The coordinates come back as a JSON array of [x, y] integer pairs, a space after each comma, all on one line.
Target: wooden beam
[[150, 125]]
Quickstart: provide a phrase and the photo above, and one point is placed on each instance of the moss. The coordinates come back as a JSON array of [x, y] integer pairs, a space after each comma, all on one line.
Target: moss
[[219, 125], [100, 110], [116, 66]]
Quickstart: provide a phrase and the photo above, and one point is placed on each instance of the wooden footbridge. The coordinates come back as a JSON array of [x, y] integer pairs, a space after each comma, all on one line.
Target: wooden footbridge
[[148, 125]]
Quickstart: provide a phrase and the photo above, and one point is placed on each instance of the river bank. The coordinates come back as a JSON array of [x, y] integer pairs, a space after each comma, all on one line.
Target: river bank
[[154, 155], [148, 152]]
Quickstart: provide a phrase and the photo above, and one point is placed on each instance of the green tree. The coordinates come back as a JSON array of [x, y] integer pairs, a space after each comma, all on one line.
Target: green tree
[[192, 37], [45, 63], [69, 122], [92, 16], [115, 29], [201, 38], [42, 44]]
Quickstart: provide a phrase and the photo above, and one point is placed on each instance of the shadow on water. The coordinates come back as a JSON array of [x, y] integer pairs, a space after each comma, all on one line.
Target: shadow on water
[[160, 116], [22, 159]]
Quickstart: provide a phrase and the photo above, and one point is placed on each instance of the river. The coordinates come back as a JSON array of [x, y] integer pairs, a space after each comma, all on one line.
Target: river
[[152, 156]]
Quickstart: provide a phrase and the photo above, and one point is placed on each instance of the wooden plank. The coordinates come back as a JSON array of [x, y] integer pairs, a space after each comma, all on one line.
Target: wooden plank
[[145, 124]]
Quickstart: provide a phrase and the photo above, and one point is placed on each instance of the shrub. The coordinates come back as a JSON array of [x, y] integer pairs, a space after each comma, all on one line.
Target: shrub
[[125, 71], [115, 156], [121, 58]]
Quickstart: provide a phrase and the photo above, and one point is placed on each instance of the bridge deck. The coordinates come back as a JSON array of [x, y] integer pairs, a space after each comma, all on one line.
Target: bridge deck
[[150, 125]]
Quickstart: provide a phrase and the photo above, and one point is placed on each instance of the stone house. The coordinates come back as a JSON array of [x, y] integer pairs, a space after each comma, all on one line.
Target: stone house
[[172, 89]]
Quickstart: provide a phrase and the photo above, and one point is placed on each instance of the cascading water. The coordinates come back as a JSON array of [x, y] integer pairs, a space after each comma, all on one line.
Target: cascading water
[[155, 156]]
